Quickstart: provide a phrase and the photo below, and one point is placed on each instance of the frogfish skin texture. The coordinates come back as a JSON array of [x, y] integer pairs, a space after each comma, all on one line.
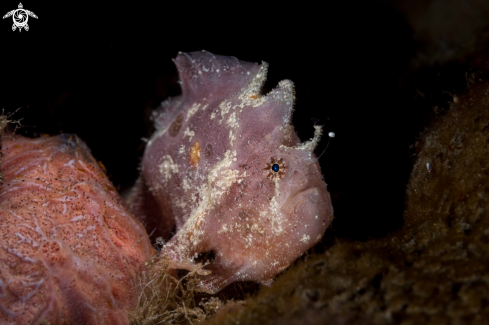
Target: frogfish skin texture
[[226, 167], [69, 249]]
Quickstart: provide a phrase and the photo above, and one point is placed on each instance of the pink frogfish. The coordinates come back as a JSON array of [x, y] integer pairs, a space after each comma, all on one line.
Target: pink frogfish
[[227, 171], [70, 251]]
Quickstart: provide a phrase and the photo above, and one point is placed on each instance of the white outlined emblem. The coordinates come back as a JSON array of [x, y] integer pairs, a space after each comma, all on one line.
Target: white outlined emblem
[[20, 17]]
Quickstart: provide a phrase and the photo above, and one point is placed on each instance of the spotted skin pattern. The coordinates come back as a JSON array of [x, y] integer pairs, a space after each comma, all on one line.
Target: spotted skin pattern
[[227, 173], [70, 251]]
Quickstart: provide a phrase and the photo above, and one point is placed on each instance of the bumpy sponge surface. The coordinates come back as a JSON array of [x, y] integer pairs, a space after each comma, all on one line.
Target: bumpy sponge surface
[[69, 249]]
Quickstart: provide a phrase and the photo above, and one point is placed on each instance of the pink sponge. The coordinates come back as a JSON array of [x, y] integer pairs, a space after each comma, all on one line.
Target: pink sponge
[[69, 249]]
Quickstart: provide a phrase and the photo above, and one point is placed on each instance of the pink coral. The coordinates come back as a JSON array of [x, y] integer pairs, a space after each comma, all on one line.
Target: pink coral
[[69, 249], [226, 167]]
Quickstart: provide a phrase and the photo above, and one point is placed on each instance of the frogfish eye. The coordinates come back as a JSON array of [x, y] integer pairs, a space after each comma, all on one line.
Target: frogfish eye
[[276, 168]]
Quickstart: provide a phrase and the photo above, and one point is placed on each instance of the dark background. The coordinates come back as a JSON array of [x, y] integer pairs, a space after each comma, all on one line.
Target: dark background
[[367, 70]]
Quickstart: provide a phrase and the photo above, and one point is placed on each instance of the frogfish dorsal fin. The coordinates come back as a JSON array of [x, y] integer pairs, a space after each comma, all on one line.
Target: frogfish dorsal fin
[[205, 75]]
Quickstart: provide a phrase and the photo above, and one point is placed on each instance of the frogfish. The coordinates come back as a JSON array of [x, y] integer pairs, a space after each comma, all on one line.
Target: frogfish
[[225, 179]]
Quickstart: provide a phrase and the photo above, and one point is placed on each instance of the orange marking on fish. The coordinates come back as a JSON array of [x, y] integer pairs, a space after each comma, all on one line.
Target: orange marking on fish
[[194, 154]]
